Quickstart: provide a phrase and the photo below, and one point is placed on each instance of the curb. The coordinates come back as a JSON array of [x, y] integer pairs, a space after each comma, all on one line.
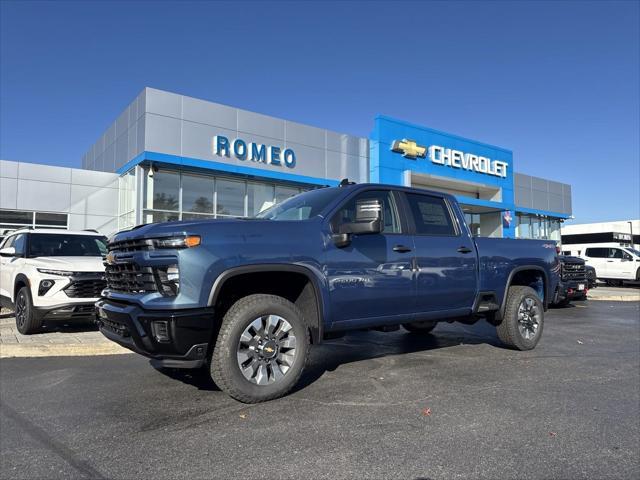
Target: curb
[[56, 350], [615, 298]]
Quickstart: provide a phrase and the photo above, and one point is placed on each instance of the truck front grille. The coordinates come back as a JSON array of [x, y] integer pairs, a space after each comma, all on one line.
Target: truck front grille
[[85, 288], [130, 278], [131, 245], [573, 271]]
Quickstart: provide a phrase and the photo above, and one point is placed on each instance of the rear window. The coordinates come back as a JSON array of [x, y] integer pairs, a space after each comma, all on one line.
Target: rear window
[[59, 245], [430, 215]]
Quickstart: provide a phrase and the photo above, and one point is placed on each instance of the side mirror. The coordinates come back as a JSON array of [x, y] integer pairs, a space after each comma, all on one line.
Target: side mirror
[[369, 219], [8, 252]]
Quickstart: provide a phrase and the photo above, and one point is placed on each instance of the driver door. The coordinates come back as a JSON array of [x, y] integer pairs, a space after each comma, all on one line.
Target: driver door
[[371, 279]]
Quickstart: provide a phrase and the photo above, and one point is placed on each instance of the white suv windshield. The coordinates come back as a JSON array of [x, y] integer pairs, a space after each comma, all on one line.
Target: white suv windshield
[[634, 251], [60, 245]]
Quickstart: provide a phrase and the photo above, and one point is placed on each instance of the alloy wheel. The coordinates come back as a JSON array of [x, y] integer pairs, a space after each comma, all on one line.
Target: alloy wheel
[[528, 318], [21, 310], [266, 350]]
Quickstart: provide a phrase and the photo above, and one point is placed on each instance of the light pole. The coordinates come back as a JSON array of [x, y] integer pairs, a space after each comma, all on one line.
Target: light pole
[[633, 245]]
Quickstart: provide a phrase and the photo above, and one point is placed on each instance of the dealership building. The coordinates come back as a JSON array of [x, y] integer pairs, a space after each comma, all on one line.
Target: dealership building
[[171, 157]]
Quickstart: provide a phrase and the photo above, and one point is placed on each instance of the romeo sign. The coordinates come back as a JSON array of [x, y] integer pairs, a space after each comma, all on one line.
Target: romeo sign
[[254, 152]]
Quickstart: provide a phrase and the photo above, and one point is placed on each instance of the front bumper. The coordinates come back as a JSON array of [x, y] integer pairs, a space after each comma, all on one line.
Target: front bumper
[[68, 311], [571, 289], [186, 339]]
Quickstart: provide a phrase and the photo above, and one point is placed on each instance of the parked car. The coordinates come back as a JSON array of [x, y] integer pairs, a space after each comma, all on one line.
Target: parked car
[[49, 274], [573, 281], [592, 279], [614, 265], [247, 297]]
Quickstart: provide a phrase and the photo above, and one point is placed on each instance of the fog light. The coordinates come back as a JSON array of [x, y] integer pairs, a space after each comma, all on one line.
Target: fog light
[[160, 330], [45, 286], [168, 280]]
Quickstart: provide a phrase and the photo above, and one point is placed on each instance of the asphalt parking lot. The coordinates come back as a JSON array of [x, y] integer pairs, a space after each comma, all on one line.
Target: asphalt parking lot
[[454, 404]]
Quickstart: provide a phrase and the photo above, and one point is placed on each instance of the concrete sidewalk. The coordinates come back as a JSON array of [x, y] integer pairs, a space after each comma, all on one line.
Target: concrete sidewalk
[[55, 340], [616, 294]]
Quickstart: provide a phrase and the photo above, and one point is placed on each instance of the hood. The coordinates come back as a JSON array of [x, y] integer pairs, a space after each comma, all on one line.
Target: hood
[[571, 260], [185, 227], [69, 264]]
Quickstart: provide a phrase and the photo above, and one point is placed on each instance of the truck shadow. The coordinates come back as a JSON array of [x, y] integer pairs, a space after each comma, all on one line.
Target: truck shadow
[[366, 345], [362, 345]]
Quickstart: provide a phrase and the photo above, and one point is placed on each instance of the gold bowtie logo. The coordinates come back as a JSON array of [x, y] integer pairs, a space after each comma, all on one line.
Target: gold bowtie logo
[[408, 148], [268, 349], [111, 258]]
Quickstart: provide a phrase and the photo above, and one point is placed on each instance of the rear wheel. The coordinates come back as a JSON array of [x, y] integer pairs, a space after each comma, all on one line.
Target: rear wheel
[[523, 321], [424, 326], [261, 349], [26, 320]]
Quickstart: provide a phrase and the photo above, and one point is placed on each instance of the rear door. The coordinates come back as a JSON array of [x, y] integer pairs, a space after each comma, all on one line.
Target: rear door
[[446, 259], [9, 265], [597, 258]]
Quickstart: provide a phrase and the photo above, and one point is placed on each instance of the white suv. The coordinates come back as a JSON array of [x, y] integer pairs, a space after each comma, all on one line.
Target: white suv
[[48, 274]]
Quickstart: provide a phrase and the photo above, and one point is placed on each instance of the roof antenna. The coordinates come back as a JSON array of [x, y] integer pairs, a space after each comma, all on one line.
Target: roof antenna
[[345, 181]]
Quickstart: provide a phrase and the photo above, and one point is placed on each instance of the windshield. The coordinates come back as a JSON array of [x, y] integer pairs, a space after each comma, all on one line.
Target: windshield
[[59, 245], [634, 251], [301, 207]]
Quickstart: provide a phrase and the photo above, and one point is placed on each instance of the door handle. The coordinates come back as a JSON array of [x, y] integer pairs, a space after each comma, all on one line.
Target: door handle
[[464, 249], [401, 249]]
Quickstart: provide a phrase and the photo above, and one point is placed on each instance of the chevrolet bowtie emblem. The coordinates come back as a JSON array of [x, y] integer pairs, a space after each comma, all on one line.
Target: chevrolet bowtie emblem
[[111, 258], [408, 148], [268, 349]]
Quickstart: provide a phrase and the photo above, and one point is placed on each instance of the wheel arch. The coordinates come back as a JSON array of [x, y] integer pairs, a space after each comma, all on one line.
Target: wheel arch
[[314, 317], [520, 272], [20, 281]]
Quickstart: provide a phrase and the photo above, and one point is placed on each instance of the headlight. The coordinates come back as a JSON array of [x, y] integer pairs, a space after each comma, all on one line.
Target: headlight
[[61, 273], [177, 242]]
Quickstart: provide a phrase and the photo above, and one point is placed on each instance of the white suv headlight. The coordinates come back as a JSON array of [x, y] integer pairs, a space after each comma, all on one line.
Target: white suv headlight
[[61, 273]]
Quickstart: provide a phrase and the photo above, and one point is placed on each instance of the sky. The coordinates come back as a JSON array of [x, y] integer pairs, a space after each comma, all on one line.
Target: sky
[[558, 83]]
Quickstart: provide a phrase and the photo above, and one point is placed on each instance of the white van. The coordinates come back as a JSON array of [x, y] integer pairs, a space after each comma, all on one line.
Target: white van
[[613, 263]]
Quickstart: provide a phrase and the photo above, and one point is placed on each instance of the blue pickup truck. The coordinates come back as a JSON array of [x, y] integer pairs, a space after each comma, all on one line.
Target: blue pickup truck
[[245, 298]]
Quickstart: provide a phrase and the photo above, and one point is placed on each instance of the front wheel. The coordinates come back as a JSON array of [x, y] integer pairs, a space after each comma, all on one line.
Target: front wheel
[[261, 349], [26, 320], [523, 321]]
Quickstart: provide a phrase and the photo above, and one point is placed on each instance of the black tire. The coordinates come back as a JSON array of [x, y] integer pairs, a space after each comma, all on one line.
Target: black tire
[[592, 279], [26, 320], [638, 275], [423, 327], [225, 369], [510, 330]]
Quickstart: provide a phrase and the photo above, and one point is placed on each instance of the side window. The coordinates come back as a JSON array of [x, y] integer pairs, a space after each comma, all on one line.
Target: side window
[[430, 215], [20, 244], [615, 253], [596, 252], [347, 212], [9, 242]]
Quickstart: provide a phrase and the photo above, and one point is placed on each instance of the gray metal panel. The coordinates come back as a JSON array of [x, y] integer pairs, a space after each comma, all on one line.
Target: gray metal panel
[[556, 203], [8, 169], [122, 123], [256, 123], [310, 161], [44, 173], [132, 135], [8, 192], [104, 224], [342, 165], [539, 184], [94, 201], [522, 180], [133, 112], [568, 205], [100, 162], [122, 146], [94, 179], [141, 136], [341, 142], [109, 158], [304, 135], [522, 197], [162, 134], [197, 141], [555, 187], [540, 200], [110, 136], [163, 103], [209, 113], [141, 100], [43, 195]]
